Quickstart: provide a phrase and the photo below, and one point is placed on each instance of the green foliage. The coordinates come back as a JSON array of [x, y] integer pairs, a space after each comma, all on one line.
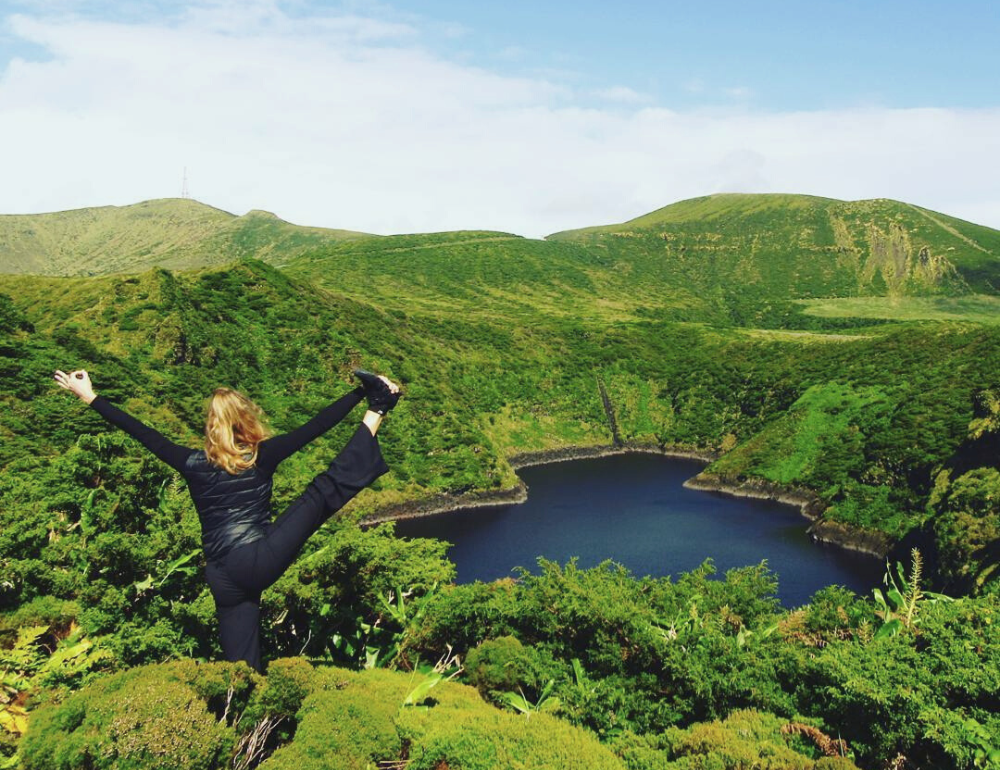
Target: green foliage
[[743, 739], [980, 308], [334, 601], [902, 598], [521, 702], [919, 695], [288, 682], [815, 442], [43, 656], [966, 527], [448, 667], [355, 720], [462, 731], [346, 722], [129, 721], [504, 665], [910, 694], [640, 664]]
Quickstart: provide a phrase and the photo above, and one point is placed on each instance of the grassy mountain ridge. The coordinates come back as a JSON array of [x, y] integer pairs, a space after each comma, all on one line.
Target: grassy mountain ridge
[[799, 246], [176, 233], [518, 337], [489, 273], [727, 260], [483, 388]]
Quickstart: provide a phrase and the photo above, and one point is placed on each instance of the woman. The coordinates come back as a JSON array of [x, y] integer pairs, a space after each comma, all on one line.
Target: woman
[[230, 482]]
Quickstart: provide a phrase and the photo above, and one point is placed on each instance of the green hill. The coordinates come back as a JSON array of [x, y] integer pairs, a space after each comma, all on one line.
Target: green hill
[[796, 246], [488, 273], [176, 233], [726, 259]]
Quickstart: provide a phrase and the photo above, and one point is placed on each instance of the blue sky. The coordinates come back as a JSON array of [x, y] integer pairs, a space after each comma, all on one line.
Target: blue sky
[[774, 54], [525, 117], [788, 55]]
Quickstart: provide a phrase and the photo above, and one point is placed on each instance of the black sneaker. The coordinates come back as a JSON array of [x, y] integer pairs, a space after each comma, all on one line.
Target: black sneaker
[[380, 398]]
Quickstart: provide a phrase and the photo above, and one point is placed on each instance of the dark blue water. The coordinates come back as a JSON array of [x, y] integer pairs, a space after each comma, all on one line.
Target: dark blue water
[[634, 510]]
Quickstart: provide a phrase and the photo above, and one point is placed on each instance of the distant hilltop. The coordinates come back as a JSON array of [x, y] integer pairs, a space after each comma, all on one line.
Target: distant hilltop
[[175, 233]]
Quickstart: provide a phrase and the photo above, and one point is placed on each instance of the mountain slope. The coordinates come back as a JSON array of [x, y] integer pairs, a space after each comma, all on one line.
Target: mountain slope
[[485, 272], [798, 246], [727, 260], [175, 233]]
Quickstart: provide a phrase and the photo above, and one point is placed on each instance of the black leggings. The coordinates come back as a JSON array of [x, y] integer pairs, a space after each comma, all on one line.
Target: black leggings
[[239, 578]]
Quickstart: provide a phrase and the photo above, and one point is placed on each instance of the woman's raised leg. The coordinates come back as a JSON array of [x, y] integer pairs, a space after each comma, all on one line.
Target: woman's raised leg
[[257, 565]]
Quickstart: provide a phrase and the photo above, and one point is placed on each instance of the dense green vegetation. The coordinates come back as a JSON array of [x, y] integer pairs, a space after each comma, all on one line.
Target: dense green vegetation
[[848, 351]]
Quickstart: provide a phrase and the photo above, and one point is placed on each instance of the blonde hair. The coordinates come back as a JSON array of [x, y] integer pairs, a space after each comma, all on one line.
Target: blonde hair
[[233, 429]]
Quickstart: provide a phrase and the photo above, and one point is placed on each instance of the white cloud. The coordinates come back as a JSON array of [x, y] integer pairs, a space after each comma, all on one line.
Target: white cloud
[[622, 94], [349, 121]]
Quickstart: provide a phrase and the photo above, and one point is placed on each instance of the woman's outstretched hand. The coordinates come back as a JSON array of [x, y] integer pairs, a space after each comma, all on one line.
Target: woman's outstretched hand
[[78, 383]]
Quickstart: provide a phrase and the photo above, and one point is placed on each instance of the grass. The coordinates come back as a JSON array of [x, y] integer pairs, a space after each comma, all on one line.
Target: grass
[[789, 450], [974, 308]]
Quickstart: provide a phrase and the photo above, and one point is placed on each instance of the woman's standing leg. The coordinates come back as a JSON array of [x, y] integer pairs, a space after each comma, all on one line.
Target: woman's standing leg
[[238, 613]]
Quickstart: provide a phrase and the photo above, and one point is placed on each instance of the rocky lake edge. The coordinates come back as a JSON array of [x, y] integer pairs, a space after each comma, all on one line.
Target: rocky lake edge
[[821, 530]]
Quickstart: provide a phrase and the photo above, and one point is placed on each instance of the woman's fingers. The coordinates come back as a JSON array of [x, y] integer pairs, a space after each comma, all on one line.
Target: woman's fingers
[[78, 377]]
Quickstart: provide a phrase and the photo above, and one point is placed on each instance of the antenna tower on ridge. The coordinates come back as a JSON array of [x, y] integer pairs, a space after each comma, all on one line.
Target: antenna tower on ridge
[[184, 185]]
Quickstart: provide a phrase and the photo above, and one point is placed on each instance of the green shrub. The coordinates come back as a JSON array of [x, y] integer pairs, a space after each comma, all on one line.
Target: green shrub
[[835, 612], [353, 720], [347, 722], [289, 681], [505, 665], [462, 731], [41, 611], [484, 741], [641, 752], [834, 763], [139, 720], [226, 688], [744, 739]]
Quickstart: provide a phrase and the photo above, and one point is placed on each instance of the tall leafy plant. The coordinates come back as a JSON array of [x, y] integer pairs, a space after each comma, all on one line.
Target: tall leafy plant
[[900, 602]]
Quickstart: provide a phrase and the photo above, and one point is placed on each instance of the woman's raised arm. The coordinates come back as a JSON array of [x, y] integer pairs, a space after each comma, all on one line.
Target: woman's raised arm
[[78, 383], [274, 450]]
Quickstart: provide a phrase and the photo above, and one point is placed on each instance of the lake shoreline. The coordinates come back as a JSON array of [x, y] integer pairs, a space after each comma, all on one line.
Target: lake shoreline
[[809, 504], [447, 503]]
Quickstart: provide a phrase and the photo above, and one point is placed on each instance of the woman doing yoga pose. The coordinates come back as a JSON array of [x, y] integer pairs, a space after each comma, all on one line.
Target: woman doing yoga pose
[[230, 482]]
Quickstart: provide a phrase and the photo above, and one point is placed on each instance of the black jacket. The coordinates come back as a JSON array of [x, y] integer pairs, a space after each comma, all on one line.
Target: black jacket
[[234, 509]]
